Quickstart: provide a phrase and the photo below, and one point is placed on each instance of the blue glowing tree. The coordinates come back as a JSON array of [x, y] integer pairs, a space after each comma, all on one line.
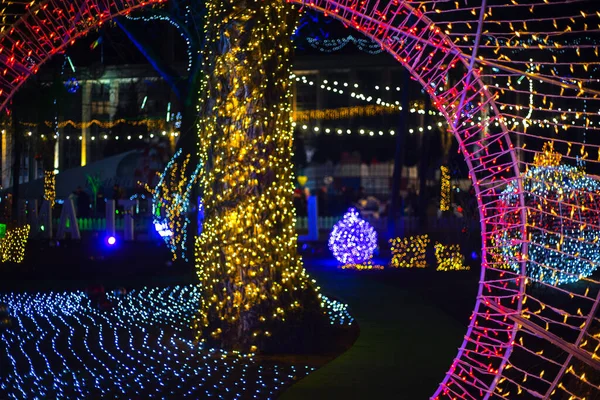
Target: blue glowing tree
[[562, 213], [353, 240]]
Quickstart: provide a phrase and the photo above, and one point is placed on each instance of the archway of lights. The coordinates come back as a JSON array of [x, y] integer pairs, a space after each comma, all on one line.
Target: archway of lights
[[508, 76]]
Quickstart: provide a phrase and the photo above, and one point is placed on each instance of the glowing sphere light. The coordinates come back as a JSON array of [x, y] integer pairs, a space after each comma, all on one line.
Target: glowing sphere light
[[563, 209], [353, 240]]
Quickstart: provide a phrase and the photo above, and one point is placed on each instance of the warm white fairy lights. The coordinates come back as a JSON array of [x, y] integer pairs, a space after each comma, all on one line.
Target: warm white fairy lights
[[360, 131]]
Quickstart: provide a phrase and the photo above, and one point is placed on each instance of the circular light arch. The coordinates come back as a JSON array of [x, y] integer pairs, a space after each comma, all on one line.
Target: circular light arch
[[404, 30]]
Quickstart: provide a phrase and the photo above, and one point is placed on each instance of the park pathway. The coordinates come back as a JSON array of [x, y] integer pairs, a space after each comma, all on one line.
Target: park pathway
[[411, 323]]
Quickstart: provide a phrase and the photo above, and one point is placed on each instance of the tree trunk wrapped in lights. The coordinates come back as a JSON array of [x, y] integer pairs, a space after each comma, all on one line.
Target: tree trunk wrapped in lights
[[256, 292]]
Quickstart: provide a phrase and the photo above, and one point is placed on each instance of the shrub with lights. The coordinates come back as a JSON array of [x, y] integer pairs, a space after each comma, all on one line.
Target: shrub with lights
[[353, 240], [12, 246], [450, 258], [562, 221], [409, 252]]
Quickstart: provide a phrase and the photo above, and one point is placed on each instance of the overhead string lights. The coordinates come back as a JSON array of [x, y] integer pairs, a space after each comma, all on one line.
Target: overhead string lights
[[353, 90], [358, 131], [12, 246], [332, 45], [155, 124], [178, 27]]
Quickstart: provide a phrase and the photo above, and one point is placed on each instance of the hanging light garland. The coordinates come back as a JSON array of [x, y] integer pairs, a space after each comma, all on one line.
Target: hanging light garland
[[360, 131], [352, 89], [332, 45]]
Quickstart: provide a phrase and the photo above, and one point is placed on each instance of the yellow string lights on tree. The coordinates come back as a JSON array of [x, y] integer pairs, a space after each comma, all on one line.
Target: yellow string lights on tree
[[13, 245], [409, 252], [50, 187], [253, 282], [449, 258]]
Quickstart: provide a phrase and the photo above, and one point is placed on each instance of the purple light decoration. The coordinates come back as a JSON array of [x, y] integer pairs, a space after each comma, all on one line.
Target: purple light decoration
[[112, 240], [353, 240]]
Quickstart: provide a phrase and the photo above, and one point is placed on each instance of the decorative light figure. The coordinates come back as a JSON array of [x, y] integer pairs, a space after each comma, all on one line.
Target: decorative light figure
[[353, 240], [562, 203]]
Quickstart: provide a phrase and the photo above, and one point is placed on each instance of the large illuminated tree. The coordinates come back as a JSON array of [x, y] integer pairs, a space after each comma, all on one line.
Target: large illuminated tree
[[255, 290]]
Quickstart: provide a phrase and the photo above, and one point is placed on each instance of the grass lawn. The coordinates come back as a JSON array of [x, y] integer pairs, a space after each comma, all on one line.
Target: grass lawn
[[411, 324]]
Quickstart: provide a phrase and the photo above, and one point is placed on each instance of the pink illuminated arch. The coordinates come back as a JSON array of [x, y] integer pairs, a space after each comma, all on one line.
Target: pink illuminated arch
[[504, 336], [47, 29]]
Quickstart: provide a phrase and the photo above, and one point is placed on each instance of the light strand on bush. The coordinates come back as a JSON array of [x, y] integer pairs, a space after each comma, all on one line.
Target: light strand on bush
[[409, 252], [13, 245], [449, 258]]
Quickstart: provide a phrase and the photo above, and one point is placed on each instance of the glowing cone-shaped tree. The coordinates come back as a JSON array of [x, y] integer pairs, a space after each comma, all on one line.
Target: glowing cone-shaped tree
[[254, 286]]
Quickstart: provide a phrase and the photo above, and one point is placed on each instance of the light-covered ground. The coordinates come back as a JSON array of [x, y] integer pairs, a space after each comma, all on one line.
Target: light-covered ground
[[62, 346]]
